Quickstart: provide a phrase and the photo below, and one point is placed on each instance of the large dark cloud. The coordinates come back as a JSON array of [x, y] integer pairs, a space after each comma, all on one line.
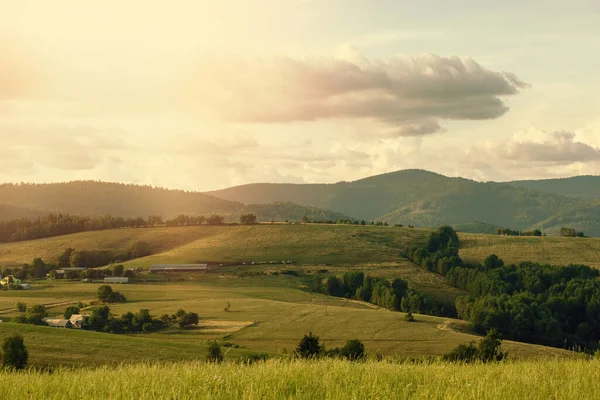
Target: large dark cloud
[[408, 96]]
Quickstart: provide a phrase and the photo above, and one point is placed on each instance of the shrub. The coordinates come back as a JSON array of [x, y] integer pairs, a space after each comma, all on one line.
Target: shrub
[[214, 352], [107, 295], [188, 319], [353, 350], [488, 350], [36, 314], [309, 347], [466, 353], [118, 270], [409, 317], [14, 352], [21, 307], [70, 311]]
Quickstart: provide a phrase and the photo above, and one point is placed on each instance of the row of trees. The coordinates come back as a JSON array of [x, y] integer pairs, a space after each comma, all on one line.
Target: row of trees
[[510, 232], [394, 295], [528, 302], [310, 347], [87, 259], [570, 232], [64, 224]]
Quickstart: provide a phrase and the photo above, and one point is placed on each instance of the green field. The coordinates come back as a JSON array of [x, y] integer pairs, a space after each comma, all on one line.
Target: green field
[[575, 379], [305, 244], [547, 250], [268, 313]]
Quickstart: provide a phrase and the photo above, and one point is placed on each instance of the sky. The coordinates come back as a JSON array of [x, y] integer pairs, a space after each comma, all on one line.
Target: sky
[[201, 95]]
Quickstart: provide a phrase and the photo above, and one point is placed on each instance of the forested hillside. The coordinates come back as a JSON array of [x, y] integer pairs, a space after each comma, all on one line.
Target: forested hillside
[[90, 198], [577, 186], [424, 198]]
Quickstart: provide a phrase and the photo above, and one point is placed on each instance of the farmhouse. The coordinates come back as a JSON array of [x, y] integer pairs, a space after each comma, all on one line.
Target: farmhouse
[[116, 279], [77, 321], [58, 323], [162, 268]]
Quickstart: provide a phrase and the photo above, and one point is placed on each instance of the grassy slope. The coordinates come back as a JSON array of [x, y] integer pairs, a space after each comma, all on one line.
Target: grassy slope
[[300, 243], [53, 346], [548, 250], [267, 314], [161, 239], [576, 379]]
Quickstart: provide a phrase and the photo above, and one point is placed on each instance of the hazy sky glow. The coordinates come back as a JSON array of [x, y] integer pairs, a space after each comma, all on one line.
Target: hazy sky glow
[[202, 95]]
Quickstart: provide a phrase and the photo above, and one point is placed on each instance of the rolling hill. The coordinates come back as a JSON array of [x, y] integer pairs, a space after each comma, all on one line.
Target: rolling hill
[[90, 198], [586, 187], [424, 198]]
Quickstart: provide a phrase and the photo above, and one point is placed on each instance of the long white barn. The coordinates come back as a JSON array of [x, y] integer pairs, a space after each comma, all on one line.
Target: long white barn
[[157, 268]]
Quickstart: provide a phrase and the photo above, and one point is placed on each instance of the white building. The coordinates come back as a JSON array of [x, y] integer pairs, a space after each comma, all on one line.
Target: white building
[[116, 279]]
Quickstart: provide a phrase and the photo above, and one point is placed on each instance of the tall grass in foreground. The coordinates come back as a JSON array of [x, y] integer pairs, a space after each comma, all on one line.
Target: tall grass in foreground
[[326, 379]]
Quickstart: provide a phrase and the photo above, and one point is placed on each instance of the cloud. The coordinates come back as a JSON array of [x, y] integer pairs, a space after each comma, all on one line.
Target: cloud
[[559, 147], [63, 147], [405, 95]]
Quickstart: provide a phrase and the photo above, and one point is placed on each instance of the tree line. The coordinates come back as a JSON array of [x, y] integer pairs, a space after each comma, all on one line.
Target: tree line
[[528, 302], [394, 295], [510, 232], [63, 224]]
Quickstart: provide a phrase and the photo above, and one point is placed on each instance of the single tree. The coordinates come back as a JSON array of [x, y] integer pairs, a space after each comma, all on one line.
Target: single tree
[[15, 353], [104, 293], [118, 270], [188, 319], [353, 350], [489, 347], [214, 352], [70, 311], [309, 347]]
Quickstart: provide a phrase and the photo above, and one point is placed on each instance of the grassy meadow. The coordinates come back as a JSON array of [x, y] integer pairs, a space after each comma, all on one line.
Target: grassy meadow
[[268, 314], [327, 379], [270, 311], [552, 250]]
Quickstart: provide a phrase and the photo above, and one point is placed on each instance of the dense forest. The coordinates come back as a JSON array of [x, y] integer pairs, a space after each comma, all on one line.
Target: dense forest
[[529, 302]]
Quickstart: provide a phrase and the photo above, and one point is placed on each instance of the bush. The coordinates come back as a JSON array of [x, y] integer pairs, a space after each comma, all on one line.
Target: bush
[[70, 311], [188, 319], [21, 307], [254, 357], [409, 317], [118, 270], [487, 351], [353, 350], [309, 347], [36, 314], [107, 295], [14, 352], [214, 352], [465, 353]]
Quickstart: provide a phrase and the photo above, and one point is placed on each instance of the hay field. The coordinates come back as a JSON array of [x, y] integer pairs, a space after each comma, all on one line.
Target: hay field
[[267, 314], [327, 379], [305, 244], [547, 250]]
